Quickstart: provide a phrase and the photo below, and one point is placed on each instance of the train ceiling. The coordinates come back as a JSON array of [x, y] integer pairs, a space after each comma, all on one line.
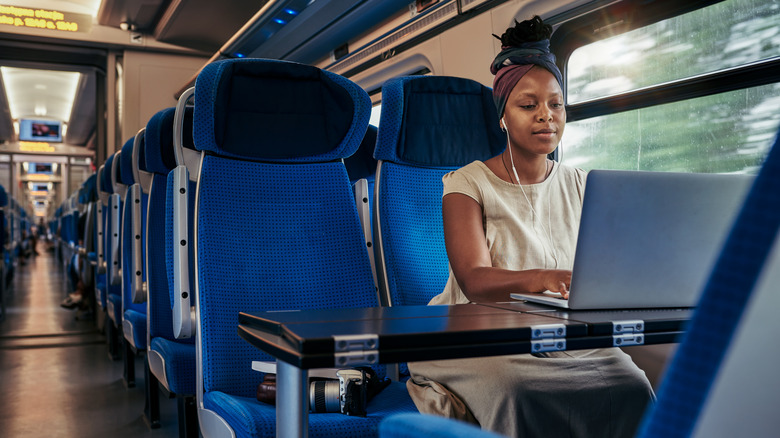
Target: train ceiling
[[299, 30]]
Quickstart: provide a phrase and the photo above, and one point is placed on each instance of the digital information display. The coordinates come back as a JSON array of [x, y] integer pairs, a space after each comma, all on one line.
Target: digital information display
[[44, 19]]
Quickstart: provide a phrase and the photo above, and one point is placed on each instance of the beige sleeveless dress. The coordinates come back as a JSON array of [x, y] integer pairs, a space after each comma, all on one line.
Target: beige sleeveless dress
[[586, 393]]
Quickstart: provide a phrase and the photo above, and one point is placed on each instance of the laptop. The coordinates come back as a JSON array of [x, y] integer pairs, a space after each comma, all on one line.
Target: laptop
[[648, 239]]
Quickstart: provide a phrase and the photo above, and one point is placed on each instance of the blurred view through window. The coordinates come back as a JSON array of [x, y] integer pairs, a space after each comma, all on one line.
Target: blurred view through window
[[727, 132]]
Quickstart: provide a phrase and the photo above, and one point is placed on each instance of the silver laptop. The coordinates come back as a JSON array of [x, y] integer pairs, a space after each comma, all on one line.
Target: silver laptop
[[648, 239]]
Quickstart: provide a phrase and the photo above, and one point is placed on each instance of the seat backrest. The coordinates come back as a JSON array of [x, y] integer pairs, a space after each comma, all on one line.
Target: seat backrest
[[276, 224], [727, 353], [159, 162], [430, 125], [126, 235], [114, 221]]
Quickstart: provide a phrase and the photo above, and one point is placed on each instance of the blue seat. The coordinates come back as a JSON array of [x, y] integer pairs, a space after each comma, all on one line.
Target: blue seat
[[276, 228], [723, 357], [114, 256], [171, 361], [429, 426], [130, 317], [104, 190], [113, 251], [133, 244], [418, 142]]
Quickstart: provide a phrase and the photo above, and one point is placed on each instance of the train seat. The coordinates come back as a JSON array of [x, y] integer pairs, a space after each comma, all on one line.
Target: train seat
[[104, 190], [276, 228], [430, 125], [133, 316], [170, 361], [116, 202], [180, 225], [722, 358], [413, 425]]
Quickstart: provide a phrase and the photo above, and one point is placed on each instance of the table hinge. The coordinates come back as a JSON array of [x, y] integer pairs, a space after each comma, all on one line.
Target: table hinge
[[629, 326], [628, 339], [548, 337], [356, 350]]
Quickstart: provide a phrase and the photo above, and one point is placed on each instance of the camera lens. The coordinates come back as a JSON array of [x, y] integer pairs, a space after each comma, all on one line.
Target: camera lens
[[324, 396]]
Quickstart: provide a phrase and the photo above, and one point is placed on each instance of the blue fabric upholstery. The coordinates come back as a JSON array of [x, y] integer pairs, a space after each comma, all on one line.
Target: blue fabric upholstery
[[429, 426], [88, 190], [437, 121], [178, 355], [158, 147], [232, 121], [430, 126], [689, 378], [125, 171], [138, 320], [115, 303], [274, 236], [291, 252], [3, 197], [105, 183], [179, 363], [100, 286], [250, 418]]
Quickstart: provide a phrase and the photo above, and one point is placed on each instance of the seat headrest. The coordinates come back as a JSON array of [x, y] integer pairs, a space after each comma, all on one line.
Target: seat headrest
[[277, 111], [438, 121], [125, 158], [88, 192], [158, 144], [105, 180], [362, 163]]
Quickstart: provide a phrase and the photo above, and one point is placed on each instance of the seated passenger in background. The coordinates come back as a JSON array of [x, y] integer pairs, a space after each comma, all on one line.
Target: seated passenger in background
[[510, 225]]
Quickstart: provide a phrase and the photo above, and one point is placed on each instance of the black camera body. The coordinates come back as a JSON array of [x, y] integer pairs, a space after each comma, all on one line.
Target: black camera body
[[348, 396]]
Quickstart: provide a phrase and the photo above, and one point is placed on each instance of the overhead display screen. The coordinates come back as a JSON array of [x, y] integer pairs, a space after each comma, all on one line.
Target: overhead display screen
[[40, 130]]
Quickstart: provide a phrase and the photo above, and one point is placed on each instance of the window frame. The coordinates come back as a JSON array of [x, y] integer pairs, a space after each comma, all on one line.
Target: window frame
[[627, 15]]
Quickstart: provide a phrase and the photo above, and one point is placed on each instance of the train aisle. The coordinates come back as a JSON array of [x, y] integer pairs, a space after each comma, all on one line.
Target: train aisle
[[56, 379]]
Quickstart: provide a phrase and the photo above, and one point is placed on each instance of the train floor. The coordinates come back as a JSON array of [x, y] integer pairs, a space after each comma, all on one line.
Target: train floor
[[56, 377]]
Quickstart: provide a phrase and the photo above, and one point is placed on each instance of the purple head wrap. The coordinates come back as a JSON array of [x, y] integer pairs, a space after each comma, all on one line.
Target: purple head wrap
[[512, 63]]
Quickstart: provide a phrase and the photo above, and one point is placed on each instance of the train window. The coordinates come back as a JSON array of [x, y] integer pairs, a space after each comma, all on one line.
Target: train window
[[726, 34], [376, 112], [727, 132], [695, 92]]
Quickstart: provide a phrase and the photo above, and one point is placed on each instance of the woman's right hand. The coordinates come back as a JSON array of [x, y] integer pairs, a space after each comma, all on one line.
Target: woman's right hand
[[556, 280]]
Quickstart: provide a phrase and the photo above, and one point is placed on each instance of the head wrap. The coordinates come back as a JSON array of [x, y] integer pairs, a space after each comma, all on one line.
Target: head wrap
[[512, 63]]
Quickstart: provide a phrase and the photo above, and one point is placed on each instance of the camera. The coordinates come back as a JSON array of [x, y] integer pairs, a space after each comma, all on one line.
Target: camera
[[349, 395]]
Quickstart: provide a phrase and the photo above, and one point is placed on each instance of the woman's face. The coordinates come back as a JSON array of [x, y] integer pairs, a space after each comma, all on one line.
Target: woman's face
[[535, 114]]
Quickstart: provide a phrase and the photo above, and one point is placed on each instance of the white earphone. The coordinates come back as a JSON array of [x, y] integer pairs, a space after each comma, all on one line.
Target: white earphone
[[553, 253]]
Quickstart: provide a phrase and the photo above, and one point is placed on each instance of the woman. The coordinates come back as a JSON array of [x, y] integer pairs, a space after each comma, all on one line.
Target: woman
[[510, 225]]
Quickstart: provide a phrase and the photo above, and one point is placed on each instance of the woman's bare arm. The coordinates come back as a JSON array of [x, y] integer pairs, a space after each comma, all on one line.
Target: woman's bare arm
[[469, 256]]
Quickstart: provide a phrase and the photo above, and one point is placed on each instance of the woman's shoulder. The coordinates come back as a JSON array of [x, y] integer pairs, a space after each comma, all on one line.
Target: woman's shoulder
[[470, 180], [574, 174], [572, 179], [476, 171]]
